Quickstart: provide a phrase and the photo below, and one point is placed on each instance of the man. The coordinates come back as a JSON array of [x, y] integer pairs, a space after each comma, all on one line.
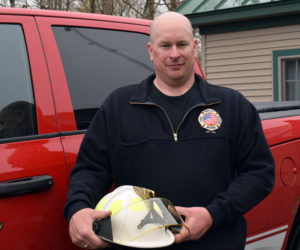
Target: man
[[199, 145]]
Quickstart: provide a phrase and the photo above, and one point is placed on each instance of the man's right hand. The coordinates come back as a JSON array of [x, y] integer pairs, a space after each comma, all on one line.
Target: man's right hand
[[81, 228]]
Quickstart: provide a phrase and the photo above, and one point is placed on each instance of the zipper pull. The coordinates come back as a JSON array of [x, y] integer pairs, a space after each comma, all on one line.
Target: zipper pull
[[175, 137]]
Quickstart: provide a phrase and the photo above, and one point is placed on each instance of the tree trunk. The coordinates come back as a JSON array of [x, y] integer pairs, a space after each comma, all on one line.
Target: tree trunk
[[149, 10], [107, 7], [12, 3], [92, 6]]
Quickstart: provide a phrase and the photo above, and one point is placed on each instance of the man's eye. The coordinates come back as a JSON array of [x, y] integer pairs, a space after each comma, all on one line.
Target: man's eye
[[182, 44], [165, 45]]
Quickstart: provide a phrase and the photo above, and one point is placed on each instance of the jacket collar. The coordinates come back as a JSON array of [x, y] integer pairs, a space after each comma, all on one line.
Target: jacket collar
[[206, 91]]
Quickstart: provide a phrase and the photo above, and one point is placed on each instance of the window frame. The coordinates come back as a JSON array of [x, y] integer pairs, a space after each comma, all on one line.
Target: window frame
[[93, 77], [278, 57], [42, 94], [63, 103], [283, 74]]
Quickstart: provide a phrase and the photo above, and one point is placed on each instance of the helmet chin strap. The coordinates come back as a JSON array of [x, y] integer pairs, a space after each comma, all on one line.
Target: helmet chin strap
[[103, 228]]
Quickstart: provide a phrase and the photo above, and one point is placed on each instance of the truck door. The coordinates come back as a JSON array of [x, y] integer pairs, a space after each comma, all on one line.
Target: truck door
[[33, 176], [91, 58]]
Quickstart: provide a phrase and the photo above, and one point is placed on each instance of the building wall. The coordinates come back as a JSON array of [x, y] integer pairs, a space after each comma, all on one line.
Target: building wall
[[243, 60]]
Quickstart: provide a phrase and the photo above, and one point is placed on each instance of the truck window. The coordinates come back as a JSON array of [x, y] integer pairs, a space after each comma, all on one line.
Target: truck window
[[97, 61], [17, 108]]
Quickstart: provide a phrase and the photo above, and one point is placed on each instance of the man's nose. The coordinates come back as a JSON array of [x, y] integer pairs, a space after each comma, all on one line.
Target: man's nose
[[174, 52]]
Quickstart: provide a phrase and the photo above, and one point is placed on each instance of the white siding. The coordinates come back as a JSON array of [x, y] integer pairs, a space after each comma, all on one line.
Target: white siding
[[243, 60]]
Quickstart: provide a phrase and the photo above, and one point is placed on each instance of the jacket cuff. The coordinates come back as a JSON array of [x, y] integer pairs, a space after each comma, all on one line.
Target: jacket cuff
[[70, 210], [216, 214]]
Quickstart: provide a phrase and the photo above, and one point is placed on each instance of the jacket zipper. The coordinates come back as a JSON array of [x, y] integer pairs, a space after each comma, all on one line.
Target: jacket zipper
[[175, 133], [186, 114], [166, 114]]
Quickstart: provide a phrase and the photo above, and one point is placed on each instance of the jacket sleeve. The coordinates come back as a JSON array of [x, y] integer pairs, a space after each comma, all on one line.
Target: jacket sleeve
[[254, 167], [91, 177]]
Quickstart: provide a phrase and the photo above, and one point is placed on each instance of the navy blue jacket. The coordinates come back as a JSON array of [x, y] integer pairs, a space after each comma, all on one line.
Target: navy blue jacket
[[227, 168]]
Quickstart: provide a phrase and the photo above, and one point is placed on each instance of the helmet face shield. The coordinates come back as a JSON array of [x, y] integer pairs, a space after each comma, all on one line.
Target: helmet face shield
[[146, 223]]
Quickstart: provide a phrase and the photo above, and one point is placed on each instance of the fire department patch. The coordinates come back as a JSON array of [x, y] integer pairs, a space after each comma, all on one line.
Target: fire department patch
[[210, 119]]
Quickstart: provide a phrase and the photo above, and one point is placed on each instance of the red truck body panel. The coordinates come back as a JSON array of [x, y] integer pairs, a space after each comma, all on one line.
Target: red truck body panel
[[35, 220]]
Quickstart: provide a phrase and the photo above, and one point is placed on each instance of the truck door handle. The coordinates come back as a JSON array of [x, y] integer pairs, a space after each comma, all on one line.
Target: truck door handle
[[25, 185]]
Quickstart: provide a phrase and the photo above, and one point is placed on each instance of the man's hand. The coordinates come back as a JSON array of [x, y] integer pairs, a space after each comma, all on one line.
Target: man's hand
[[197, 219], [81, 228]]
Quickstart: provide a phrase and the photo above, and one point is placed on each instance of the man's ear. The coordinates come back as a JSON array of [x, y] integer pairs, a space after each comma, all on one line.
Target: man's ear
[[196, 48], [149, 47]]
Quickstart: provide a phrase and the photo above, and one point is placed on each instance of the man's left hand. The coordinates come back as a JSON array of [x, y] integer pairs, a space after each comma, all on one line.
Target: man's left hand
[[197, 219]]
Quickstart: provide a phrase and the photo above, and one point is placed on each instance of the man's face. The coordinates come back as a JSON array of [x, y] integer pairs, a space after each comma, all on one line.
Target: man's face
[[173, 51]]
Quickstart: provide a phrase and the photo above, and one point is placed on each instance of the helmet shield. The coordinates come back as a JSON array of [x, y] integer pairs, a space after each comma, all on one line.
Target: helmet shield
[[145, 224]]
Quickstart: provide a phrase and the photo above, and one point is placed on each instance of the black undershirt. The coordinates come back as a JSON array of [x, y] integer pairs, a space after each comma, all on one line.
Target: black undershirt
[[176, 106]]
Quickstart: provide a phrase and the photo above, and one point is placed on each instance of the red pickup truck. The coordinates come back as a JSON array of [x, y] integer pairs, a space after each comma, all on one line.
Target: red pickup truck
[[55, 70]]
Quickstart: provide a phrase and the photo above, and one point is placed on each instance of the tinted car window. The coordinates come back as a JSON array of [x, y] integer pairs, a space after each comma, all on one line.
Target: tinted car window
[[17, 109], [96, 61]]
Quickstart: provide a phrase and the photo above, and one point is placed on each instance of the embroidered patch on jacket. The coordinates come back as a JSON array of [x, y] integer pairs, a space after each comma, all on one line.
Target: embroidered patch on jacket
[[210, 119]]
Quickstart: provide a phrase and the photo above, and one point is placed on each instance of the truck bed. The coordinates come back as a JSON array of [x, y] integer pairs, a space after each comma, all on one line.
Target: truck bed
[[272, 110]]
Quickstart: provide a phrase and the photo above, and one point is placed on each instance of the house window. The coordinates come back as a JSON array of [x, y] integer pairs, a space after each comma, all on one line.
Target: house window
[[286, 75], [290, 79]]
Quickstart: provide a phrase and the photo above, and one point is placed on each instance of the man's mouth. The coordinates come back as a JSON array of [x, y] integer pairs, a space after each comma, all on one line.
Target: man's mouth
[[175, 65]]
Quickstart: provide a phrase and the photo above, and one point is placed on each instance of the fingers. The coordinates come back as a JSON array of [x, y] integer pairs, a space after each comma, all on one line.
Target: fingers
[[81, 230], [99, 215], [183, 235], [181, 210], [185, 232], [197, 220]]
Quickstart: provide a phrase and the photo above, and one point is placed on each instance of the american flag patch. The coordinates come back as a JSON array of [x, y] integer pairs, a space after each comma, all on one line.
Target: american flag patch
[[210, 119]]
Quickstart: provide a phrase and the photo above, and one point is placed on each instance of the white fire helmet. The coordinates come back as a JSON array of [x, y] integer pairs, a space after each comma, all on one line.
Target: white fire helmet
[[138, 219]]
